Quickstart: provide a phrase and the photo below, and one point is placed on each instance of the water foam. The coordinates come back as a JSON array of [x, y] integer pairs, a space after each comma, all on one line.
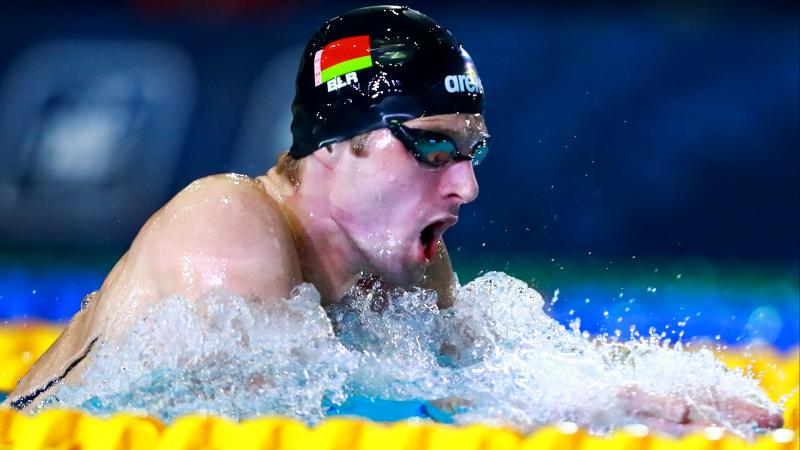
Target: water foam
[[221, 354], [495, 353]]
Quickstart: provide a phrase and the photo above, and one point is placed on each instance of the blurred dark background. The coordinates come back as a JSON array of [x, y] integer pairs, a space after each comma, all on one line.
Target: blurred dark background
[[635, 135]]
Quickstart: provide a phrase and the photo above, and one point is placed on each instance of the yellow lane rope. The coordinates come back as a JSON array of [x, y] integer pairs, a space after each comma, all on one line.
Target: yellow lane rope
[[61, 429]]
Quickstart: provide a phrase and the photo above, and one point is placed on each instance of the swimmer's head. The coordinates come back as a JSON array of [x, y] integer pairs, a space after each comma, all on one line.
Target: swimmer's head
[[375, 66], [389, 108]]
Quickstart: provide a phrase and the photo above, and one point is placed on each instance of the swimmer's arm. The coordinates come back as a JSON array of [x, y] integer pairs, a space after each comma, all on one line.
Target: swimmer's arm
[[68, 351], [439, 276], [680, 414]]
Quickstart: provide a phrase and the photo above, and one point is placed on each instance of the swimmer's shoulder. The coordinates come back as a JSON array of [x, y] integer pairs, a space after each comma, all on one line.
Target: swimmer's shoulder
[[224, 224], [234, 193], [231, 201]]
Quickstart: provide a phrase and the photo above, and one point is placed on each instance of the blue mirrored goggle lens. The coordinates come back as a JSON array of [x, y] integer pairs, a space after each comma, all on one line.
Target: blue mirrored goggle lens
[[479, 152], [437, 149], [435, 152]]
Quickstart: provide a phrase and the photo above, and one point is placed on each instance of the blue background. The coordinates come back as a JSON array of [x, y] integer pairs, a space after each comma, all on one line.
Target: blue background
[[627, 137]]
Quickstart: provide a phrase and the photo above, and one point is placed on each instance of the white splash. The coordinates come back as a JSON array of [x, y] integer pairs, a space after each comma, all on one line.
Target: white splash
[[221, 354], [495, 353]]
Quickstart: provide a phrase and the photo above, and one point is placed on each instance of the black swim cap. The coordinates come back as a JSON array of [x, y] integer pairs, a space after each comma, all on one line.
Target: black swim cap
[[373, 65]]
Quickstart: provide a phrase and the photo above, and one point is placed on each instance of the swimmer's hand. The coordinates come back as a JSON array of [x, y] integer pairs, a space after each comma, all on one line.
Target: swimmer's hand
[[680, 415]]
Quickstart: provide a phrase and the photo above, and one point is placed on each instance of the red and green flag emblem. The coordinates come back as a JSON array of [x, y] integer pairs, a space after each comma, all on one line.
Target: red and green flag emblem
[[341, 57]]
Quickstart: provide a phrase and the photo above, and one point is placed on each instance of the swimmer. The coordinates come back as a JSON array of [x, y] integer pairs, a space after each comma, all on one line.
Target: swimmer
[[388, 126]]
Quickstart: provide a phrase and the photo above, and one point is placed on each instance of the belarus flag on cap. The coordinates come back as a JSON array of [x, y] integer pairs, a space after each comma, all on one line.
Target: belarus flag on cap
[[341, 57]]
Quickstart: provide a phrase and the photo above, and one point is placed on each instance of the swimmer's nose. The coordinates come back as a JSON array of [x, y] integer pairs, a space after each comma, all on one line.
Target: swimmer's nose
[[459, 183]]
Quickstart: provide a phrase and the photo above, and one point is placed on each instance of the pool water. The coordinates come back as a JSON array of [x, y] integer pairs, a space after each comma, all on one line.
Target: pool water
[[496, 358]]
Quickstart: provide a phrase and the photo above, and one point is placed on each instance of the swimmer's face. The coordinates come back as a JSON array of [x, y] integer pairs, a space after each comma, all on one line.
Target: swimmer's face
[[395, 209]]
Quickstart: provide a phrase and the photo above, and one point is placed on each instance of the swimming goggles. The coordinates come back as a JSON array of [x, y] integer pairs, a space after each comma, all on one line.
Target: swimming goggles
[[435, 149]]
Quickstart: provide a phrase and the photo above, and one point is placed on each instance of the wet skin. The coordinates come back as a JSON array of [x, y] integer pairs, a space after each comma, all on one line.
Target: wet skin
[[261, 237], [353, 213]]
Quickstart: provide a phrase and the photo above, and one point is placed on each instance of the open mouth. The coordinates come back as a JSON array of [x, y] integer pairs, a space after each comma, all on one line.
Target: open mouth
[[430, 236]]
